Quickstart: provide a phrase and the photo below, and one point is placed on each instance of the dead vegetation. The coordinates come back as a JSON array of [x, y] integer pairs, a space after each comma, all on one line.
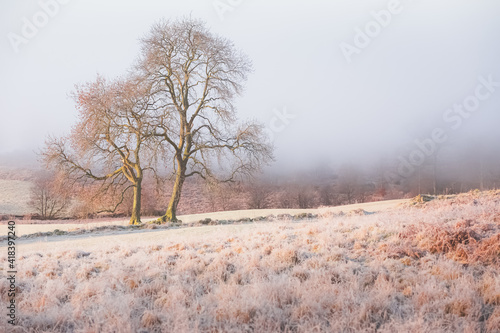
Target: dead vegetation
[[467, 241], [412, 269]]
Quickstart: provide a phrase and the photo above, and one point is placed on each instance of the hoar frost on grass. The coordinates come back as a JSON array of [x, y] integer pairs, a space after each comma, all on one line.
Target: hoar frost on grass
[[430, 267]]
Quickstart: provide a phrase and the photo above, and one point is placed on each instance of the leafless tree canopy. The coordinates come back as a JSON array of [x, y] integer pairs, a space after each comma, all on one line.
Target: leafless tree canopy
[[177, 106], [109, 142], [49, 196], [195, 77]]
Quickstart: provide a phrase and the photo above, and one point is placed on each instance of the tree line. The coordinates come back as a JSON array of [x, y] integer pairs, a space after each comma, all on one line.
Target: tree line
[[460, 169]]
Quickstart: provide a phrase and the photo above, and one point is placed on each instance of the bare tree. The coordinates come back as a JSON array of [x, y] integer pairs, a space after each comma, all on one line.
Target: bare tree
[[305, 196], [349, 182], [110, 140], [196, 75], [259, 195], [221, 195], [49, 196], [326, 195]]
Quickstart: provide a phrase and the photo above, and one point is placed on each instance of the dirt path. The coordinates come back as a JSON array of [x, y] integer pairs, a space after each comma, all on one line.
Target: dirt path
[[87, 241]]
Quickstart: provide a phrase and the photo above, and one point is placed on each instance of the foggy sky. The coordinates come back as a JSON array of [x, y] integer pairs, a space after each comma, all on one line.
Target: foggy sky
[[318, 105]]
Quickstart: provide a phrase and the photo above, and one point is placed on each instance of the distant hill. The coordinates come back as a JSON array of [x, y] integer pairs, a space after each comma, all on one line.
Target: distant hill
[[26, 159], [17, 170]]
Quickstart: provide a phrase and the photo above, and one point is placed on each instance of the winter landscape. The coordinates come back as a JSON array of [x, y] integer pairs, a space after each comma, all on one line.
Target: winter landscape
[[233, 166]]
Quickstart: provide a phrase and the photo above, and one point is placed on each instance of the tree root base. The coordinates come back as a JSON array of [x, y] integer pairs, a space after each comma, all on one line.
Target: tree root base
[[164, 220]]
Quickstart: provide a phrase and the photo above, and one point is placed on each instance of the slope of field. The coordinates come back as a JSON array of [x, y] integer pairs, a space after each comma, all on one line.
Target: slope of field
[[415, 268], [14, 197], [30, 227]]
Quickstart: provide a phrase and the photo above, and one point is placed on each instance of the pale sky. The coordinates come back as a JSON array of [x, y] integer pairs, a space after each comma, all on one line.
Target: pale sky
[[319, 104]]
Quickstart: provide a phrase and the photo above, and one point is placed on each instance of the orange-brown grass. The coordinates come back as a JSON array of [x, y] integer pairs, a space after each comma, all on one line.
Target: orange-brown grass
[[428, 268], [466, 240]]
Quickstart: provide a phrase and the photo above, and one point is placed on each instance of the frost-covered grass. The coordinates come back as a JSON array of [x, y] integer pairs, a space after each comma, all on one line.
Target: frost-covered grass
[[424, 268]]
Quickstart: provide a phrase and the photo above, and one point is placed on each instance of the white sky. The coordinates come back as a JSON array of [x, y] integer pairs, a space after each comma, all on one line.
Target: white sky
[[395, 90]]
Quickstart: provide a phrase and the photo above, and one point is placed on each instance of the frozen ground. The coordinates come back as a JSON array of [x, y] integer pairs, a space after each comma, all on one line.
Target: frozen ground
[[14, 197], [23, 228], [431, 267]]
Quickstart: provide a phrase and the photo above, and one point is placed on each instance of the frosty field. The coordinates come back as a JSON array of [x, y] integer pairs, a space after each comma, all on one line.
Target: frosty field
[[411, 268], [30, 227], [14, 196]]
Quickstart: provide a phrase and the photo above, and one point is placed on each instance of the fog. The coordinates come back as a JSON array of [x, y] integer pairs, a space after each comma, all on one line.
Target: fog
[[334, 81]]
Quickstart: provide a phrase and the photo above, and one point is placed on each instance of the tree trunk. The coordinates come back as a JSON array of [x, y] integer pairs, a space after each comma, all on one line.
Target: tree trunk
[[136, 206], [171, 214]]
